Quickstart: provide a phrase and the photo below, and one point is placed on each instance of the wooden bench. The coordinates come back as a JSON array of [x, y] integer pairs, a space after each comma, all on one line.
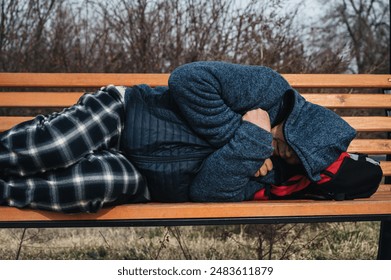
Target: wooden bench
[[32, 90]]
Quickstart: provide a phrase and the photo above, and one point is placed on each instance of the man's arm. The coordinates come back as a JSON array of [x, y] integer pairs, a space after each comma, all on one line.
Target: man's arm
[[228, 173], [213, 96]]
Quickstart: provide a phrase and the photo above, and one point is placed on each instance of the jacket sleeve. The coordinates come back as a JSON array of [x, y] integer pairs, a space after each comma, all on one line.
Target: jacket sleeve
[[213, 96], [227, 174]]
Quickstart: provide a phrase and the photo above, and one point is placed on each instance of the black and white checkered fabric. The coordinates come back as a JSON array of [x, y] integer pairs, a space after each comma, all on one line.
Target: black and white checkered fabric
[[69, 161]]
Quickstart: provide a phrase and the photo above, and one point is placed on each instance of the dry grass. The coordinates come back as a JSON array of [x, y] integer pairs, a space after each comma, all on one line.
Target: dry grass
[[300, 241]]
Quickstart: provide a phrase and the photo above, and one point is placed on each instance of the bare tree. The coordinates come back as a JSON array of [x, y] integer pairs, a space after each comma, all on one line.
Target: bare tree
[[360, 30], [148, 36], [23, 33]]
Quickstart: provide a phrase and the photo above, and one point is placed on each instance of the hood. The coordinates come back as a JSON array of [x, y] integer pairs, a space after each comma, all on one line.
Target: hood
[[316, 134]]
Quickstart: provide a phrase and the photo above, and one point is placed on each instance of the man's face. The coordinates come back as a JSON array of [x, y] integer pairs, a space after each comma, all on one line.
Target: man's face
[[281, 147]]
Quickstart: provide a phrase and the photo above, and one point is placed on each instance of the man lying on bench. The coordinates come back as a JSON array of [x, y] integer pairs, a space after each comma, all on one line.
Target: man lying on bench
[[218, 132]]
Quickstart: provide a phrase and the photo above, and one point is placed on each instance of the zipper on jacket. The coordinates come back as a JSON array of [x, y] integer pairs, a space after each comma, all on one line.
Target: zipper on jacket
[[193, 156]]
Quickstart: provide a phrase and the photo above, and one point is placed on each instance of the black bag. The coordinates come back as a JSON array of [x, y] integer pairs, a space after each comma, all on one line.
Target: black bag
[[351, 176]]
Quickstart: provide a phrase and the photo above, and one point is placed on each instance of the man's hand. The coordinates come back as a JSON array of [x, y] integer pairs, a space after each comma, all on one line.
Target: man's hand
[[265, 168], [258, 117], [281, 147]]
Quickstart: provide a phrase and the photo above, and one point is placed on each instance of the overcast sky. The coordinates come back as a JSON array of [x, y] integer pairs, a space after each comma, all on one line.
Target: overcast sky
[[310, 11]]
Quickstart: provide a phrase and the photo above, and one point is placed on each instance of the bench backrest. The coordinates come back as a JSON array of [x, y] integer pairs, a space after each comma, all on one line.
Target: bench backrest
[[62, 90]]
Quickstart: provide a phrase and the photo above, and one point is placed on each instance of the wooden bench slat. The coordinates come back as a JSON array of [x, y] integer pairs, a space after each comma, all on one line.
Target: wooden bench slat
[[66, 99], [350, 101], [364, 124], [338, 80], [385, 188], [38, 99], [381, 196], [370, 146], [369, 123], [386, 167], [102, 79], [375, 205], [8, 122], [75, 80]]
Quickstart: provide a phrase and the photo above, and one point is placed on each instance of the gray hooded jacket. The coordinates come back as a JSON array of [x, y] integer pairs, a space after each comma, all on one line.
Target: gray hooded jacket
[[190, 142]]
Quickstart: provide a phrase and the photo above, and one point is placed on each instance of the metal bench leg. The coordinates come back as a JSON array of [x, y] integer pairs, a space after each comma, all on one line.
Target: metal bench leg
[[384, 252]]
